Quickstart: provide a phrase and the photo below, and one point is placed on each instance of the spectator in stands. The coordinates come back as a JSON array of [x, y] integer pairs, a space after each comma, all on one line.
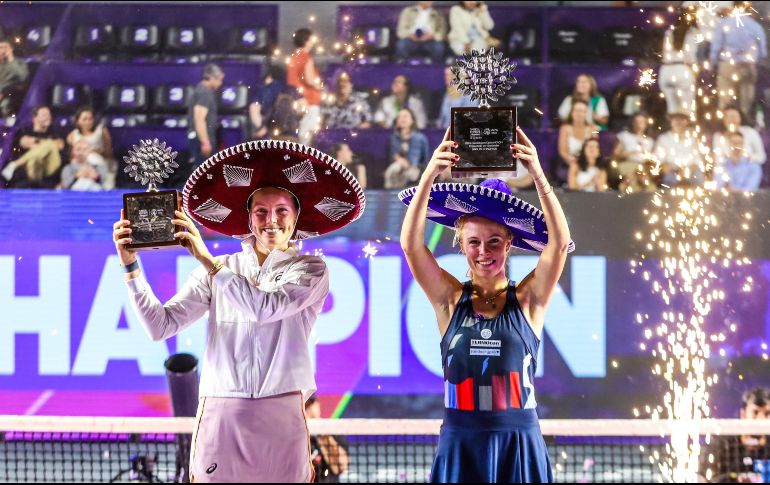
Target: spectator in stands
[[633, 147], [740, 459], [347, 109], [401, 97], [86, 171], [304, 76], [572, 135], [401, 172], [677, 153], [39, 147], [644, 179], [587, 91], [328, 453], [680, 48], [13, 72], [344, 155], [735, 52], [98, 138], [421, 32], [202, 116], [469, 26], [737, 172], [406, 138], [272, 111], [452, 99], [589, 173], [752, 141]]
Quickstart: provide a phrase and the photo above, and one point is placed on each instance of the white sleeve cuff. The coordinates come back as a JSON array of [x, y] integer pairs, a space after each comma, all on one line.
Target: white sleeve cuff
[[137, 285]]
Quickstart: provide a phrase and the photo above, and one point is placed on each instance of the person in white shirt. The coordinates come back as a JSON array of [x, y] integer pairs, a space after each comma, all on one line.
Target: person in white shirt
[[586, 90], [680, 49], [262, 302], [677, 153], [633, 147], [752, 141], [469, 26]]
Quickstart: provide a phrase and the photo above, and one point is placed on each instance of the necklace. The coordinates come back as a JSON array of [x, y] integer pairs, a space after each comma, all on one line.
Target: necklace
[[491, 299]]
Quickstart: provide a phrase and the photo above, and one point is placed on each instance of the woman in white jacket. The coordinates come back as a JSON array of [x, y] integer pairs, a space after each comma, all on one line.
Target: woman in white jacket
[[469, 26], [262, 302]]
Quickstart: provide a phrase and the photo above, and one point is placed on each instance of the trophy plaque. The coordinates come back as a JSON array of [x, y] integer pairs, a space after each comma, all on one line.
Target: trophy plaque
[[151, 212], [484, 134]]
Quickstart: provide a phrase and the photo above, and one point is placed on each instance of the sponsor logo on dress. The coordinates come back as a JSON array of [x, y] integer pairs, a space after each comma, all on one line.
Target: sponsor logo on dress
[[486, 333], [485, 343], [211, 468], [487, 352]]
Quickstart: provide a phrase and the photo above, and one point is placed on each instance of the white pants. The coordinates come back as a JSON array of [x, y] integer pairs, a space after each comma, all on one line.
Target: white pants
[[677, 82], [309, 124]]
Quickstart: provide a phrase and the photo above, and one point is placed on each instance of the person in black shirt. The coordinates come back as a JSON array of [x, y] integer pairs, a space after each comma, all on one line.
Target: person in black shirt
[[328, 453], [202, 116], [742, 459], [38, 151]]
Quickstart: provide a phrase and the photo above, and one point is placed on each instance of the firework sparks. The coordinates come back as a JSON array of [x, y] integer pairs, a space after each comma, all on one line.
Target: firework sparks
[[647, 78], [683, 247], [737, 13], [369, 250]]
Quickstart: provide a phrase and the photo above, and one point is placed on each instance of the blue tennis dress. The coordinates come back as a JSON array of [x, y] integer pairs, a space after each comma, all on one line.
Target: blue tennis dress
[[490, 431]]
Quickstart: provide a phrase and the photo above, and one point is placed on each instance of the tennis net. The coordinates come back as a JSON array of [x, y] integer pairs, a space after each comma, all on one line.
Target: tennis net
[[103, 449]]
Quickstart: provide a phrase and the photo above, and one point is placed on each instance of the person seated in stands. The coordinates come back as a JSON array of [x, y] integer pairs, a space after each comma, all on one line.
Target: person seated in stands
[[587, 91], [38, 154], [633, 147], [572, 135], [421, 32], [400, 97], [406, 138], [86, 171], [469, 26], [589, 173], [401, 172], [346, 109], [644, 179], [328, 453], [452, 99], [677, 153], [98, 138], [752, 141], [737, 172], [272, 111], [744, 458], [343, 154], [13, 72]]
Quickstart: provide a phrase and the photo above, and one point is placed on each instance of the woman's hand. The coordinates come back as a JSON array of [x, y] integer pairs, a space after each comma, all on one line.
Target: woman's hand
[[121, 235], [442, 160], [191, 239], [527, 153]]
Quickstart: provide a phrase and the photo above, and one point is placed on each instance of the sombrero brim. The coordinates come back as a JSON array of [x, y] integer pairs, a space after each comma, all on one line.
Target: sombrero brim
[[216, 193], [450, 201]]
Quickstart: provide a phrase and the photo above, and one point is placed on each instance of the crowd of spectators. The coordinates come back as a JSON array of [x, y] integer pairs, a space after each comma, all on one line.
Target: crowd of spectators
[[294, 103]]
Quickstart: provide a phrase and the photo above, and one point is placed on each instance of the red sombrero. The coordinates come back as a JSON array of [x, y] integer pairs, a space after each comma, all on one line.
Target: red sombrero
[[217, 192]]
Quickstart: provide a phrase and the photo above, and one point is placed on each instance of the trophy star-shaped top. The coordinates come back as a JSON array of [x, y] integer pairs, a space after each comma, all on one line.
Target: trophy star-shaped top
[[483, 76], [151, 162]]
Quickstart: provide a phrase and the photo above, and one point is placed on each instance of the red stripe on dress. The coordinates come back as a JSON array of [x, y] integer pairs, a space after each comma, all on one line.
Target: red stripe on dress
[[515, 391], [465, 395], [499, 393]]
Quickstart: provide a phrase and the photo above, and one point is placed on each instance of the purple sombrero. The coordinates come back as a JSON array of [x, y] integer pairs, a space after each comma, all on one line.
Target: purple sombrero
[[491, 199], [216, 193]]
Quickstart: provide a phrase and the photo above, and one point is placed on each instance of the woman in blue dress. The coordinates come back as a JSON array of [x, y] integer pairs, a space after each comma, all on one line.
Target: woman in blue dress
[[490, 326]]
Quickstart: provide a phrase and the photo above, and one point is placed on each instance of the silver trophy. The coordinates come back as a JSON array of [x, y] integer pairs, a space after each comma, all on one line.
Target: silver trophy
[[484, 134], [151, 212]]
